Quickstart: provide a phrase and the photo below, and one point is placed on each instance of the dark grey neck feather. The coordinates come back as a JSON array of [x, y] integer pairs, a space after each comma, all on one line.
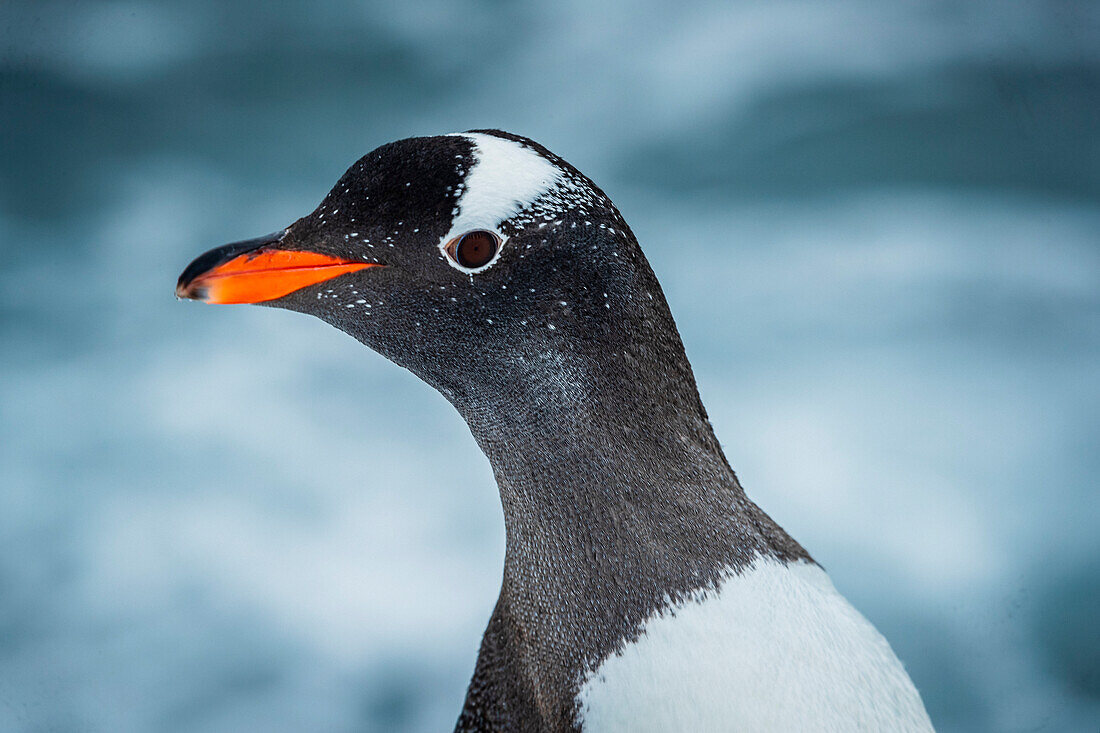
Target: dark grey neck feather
[[617, 500]]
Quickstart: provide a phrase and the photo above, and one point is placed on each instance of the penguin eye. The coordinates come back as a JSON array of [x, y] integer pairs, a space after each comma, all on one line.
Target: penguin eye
[[473, 249]]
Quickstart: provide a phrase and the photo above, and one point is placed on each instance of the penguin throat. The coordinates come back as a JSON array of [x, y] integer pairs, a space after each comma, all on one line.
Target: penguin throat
[[617, 502], [582, 454]]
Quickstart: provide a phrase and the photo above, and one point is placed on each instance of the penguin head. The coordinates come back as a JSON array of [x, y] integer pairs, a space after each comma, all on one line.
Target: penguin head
[[455, 256]]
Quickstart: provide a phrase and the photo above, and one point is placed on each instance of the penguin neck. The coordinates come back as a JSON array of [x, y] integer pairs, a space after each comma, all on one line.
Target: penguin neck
[[617, 500], [611, 455]]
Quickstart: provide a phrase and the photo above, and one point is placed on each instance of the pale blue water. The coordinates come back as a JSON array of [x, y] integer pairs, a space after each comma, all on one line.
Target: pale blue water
[[878, 225]]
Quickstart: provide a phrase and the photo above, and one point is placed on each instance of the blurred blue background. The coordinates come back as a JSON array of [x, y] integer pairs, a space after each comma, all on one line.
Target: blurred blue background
[[877, 223]]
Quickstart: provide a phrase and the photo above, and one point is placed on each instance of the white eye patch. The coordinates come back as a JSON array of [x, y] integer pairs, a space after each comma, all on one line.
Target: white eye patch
[[505, 178]]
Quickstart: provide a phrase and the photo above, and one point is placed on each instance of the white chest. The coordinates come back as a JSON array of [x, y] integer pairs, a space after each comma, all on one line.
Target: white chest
[[776, 648]]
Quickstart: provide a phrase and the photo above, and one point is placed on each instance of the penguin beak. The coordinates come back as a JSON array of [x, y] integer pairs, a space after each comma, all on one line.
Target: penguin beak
[[254, 271]]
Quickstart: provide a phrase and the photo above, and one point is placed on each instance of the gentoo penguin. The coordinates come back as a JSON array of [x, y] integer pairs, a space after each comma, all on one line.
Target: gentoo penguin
[[642, 589]]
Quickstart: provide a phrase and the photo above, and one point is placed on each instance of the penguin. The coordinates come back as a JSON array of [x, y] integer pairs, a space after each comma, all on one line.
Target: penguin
[[642, 589]]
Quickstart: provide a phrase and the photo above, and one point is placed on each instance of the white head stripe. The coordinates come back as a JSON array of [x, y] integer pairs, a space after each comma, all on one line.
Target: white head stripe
[[505, 177]]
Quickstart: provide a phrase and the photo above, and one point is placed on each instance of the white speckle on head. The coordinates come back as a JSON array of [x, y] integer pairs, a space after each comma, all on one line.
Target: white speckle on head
[[774, 648], [506, 177]]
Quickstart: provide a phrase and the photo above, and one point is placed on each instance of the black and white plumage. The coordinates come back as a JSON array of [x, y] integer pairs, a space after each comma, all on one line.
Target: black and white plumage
[[642, 589]]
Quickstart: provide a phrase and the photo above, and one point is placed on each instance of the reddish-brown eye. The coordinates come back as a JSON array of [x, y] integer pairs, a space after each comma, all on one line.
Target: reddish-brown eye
[[474, 249]]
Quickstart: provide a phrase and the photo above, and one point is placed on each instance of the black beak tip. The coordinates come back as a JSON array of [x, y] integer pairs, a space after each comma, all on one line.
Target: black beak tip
[[207, 261], [185, 290]]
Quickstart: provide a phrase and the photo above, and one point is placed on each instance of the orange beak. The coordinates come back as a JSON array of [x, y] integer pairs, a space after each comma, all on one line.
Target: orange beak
[[254, 272]]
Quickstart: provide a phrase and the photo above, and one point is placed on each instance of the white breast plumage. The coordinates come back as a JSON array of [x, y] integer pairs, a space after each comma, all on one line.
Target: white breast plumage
[[774, 648]]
